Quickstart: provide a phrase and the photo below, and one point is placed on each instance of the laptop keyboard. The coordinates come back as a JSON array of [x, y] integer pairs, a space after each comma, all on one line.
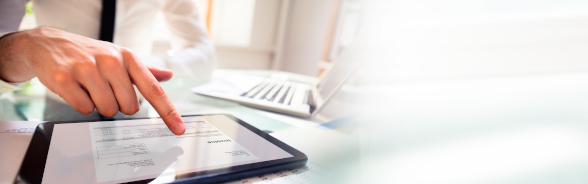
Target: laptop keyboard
[[282, 92]]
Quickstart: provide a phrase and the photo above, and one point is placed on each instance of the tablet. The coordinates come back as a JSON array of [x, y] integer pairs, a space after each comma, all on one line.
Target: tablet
[[214, 148]]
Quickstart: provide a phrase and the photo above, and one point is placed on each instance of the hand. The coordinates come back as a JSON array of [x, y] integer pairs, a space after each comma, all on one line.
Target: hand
[[90, 74]]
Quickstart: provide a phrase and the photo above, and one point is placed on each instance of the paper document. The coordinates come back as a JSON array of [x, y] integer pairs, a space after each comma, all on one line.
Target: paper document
[[12, 129], [14, 141], [124, 150]]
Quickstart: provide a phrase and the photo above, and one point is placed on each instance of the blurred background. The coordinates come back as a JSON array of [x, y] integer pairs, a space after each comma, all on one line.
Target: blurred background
[[421, 39], [475, 91], [295, 36], [428, 39]]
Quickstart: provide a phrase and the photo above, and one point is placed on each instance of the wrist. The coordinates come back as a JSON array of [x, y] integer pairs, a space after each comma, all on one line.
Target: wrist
[[12, 67], [18, 44]]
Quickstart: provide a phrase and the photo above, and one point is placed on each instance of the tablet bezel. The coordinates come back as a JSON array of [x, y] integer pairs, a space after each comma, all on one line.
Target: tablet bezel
[[33, 165]]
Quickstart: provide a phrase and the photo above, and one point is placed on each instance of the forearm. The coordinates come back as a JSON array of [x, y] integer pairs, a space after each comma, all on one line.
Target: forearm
[[13, 68]]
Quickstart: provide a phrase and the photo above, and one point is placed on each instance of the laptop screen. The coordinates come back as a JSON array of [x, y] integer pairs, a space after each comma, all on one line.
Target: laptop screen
[[343, 67]]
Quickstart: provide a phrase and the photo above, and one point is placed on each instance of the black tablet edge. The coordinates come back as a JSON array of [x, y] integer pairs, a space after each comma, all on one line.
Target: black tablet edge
[[299, 159], [30, 162], [243, 174]]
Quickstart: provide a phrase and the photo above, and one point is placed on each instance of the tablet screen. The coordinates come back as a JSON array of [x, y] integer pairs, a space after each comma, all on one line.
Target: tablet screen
[[133, 150]]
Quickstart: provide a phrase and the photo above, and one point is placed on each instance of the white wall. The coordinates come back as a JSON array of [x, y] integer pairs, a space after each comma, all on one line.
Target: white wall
[[429, 39], [305, 35], [245, 32], [286, 35]]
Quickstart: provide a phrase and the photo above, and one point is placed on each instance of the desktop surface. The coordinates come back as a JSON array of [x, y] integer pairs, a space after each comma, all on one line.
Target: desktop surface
[[500, 129], [34, 103]]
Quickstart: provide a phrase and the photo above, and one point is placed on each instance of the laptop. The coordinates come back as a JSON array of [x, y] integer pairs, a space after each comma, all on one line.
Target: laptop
[[283, 96]]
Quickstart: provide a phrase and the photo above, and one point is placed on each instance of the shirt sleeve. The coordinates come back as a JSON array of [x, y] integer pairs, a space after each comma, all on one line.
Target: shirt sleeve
[[193, 51], [8, 87]]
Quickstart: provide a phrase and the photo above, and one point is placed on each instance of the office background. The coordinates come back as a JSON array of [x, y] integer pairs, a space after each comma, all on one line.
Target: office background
[[294, 36]]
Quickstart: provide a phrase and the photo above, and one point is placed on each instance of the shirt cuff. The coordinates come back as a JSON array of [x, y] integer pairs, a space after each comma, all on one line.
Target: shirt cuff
[[8, 87]]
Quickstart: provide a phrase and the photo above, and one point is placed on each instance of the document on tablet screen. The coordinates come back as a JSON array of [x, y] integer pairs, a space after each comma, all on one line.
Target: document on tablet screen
[[130, 145], [130, 150]]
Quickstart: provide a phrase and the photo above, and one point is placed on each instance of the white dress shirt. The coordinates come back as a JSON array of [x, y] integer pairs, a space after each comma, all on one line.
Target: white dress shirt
[[192, 54]]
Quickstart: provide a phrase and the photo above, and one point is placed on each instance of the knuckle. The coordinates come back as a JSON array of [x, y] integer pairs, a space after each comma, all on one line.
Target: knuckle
[[109, 57], [85, 109], [124, 50], [132, 109], [109, 112], [171, 114], [157, 91], [109, 61], [60, 76], [128, 55], [85, 67]]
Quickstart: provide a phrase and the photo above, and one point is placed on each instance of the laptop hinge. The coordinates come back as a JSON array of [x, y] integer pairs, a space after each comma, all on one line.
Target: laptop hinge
[[314, 100]]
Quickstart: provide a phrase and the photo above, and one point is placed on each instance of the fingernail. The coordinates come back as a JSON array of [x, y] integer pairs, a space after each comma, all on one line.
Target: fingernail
[[180, 128]]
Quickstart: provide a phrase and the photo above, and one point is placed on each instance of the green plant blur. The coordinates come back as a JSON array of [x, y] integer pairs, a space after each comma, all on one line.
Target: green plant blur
[[29, 8]]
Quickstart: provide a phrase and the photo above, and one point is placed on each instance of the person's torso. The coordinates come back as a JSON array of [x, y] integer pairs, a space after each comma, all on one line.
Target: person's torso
[[133, 26]]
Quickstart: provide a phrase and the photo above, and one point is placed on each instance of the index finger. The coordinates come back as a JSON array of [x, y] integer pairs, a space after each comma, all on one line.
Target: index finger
[[152, 91]]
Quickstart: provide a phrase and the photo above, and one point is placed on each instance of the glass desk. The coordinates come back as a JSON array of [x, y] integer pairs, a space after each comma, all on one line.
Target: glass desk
[[325, 138], [36, 103], [506, 129]]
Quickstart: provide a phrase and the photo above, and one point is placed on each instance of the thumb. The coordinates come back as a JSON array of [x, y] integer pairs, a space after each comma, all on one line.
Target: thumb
[[161, 74]]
